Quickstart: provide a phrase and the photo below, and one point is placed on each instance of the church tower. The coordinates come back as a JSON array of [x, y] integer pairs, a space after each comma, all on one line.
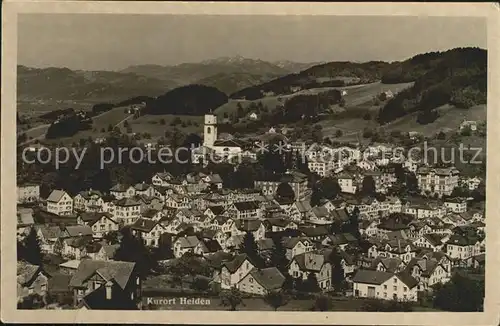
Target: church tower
[[210, 131]]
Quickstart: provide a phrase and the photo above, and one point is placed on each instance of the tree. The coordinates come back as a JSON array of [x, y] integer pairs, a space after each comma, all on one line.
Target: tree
[[311, 283], [278, 256], [322, 303], [330, 188], [201, 284], [112, 237], [338, 276], [110, 127], [353, 225], [338, 133], [231, 298], [316, 197], [460, 294], [367, 116], [162, 121], [249, 247], [276, 299], [30, 249], [132, 249], [285, 192], [368, 186]]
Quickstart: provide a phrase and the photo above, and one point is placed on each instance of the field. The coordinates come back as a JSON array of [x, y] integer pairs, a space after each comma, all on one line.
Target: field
[[151, 124]]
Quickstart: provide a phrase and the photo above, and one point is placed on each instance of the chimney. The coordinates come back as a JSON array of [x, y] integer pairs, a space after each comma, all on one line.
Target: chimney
[[108, 290], [80, 234]]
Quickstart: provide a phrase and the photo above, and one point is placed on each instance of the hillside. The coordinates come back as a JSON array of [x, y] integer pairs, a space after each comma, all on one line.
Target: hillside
[[187, 100], [332, 74], [457, 77], [231, 82], [54, 84]]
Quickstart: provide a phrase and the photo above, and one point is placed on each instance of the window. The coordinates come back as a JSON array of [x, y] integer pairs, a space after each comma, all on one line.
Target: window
[[30, 290], [395, 288], [385, 294], [385, 286], [395, 280], [209, 130], [405, 289]]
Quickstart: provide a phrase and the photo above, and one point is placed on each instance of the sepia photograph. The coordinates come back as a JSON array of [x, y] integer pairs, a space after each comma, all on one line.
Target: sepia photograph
[[247, 161]]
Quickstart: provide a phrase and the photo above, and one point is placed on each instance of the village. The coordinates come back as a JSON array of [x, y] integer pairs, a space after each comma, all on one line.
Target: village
[[377, 227]]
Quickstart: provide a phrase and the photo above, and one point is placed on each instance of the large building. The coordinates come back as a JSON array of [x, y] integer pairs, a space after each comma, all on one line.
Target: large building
[[440, 181]]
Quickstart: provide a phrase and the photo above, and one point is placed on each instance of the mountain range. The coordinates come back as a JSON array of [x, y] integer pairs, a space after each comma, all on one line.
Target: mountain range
[[228, 74]]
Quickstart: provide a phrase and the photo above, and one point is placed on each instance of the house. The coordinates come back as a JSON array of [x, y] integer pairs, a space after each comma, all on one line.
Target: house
[[472, 125], [261, 281], [341, 240], [120, 191], [299, 211], [433, 241], [316, 233], [456, 205], [104, 251], [28, 193], [106, 285], [428, 272], [390, 265], [253, 116], [384, 285], [207, 247], [277, 224], [242, 226], [477, 261], [175, 200], [312, 262], [89, 200], [440, 181], [31, 279], [296, 246], [347, 183], [247, 209], [233, 271], [126, 210], [24, 219], [185, 244], [60, 203], [149, 231], [460, 247], [101, 223], [48, 235], [297, 180], [73, 247], [144, 189], [152, 214]]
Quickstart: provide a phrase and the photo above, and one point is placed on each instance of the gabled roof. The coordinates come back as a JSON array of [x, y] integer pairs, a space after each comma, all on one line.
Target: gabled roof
[[367, 276], [188, 241], [312, 231], [217, 210], [78, 230], [434, 238], [150, 213], [142, 186], [278, 221], [26, 273], [310, 261], [236, 262], [270, 278], [246, 205], [56, 195], [291, 242], [303, 206], [124, 202], [119, 271], [265, 244], [92, 217], [211, 245], [391, 264], [407, 279], [144, 225]]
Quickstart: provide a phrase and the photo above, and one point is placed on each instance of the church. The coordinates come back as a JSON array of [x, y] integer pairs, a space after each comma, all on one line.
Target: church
[[215, 149]]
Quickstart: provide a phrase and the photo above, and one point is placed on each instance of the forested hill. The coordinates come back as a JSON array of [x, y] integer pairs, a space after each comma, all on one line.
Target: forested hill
[[457, 77], [188, 100], [332, 74]]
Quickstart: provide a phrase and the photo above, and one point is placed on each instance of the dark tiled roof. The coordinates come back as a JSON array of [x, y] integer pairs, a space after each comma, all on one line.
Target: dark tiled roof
[[270, 278], [144, 225], [119, 271], [371, 277], [246, 205], [248, 225], [120, 300]]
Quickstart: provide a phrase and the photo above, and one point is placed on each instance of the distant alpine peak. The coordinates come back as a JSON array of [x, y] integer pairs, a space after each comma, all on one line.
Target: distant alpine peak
[[230, 60]]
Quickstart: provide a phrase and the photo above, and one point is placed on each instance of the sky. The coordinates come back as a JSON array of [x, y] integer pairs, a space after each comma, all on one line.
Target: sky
[[114, 42]]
